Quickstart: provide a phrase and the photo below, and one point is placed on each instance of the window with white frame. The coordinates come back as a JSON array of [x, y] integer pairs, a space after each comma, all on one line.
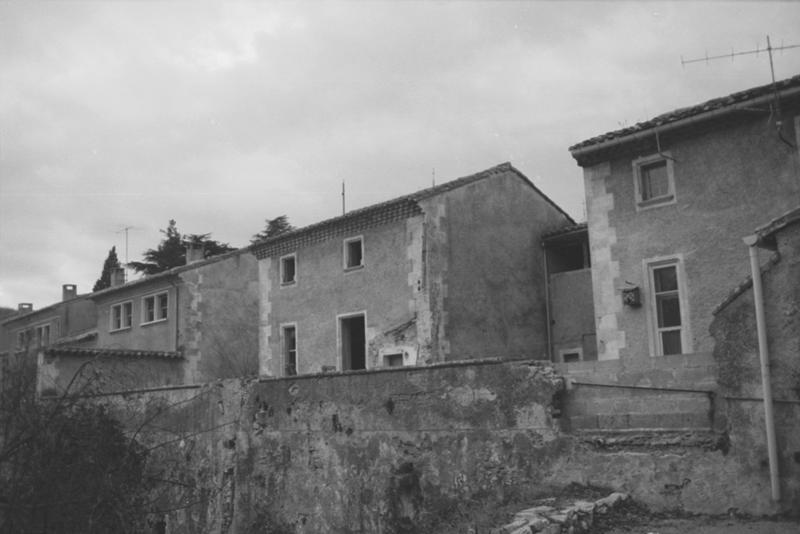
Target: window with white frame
[[155, 308], [24, 338], [354, 252], [667, 307], [654, 181], [289, 340], [288, 268], [121, 316]]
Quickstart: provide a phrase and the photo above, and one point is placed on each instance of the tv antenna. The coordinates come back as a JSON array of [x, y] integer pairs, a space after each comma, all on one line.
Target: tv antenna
[[121, 230], [758, 50]]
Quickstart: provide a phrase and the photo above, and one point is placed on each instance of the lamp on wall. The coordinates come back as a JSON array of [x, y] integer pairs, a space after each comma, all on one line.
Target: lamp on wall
[[631, 296]]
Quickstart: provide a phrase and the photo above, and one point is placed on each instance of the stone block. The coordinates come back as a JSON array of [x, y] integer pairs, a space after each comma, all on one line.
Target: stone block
[[612, 422], [583, 422]]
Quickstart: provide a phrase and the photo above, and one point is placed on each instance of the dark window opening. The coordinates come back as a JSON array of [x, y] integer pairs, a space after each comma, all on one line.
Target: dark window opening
[[354, 343], [654, 180], [569, 256], [393, 360], [354, 254], [289, 351], [571, 357], [288, 270]]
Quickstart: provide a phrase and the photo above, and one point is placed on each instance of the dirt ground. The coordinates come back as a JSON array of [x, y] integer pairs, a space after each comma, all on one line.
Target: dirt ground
[[632, 518], [709, 525]]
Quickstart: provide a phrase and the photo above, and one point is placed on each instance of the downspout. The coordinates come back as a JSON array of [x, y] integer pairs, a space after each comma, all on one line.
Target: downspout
[[763, 352], [547, 303]]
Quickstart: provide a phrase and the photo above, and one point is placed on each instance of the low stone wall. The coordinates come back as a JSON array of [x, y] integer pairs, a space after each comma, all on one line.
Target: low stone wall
[[397, 450]]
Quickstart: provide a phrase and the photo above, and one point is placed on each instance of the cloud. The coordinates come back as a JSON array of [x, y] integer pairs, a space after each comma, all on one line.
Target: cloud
[[223, 115]]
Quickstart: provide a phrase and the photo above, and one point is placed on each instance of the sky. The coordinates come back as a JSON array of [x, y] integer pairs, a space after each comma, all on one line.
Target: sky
[[222, 115]]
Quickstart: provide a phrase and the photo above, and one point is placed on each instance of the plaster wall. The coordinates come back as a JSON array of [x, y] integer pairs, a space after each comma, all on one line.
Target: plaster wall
[[491, 268], [386, 290], [218, 313], [65, 318], [572, 313], [736, 352], [728, 179], [158, 336]]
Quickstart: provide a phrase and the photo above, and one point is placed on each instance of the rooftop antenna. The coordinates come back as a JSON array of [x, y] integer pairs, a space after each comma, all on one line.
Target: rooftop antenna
[[776, 110], [121, 230]]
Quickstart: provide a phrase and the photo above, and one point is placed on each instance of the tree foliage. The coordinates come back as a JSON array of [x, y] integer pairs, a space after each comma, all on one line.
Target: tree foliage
[[171, 252], [274, 227], [111, 263], [66, 465]]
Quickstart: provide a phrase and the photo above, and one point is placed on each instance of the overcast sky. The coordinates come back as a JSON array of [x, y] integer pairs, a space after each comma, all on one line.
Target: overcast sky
[[222, 115]]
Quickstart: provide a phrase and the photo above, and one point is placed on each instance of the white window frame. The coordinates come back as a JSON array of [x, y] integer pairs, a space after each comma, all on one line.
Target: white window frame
[[282, 271], [157, 318], [664, 200], [122, 325], [654, 337], [284, 351], [346, 253]]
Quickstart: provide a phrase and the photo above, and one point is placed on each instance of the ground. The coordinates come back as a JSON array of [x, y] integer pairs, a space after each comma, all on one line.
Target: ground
[[632, 518]]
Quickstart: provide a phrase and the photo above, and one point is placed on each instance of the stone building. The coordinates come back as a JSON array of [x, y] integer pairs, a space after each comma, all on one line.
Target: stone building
[[190, 324], [668, 201], [447, 273]]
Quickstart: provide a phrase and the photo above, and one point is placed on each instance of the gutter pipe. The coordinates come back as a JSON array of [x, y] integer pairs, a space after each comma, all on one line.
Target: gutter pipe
[[763, 352], [746, 105]]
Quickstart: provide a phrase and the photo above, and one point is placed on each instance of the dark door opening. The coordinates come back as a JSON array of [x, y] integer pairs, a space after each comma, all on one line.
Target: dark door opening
[[354, 343]]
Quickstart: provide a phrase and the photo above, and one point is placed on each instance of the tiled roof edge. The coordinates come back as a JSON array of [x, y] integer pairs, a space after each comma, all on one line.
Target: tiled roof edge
[[674, 116], [101, 352]]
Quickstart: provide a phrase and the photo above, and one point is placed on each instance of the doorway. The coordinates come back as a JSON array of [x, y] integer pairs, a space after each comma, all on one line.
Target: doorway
[[352, 329]]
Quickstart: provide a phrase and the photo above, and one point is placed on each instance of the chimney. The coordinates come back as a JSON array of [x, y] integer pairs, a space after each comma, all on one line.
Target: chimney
[[25, 307], [117, 277], [69, 291], [194, 252]]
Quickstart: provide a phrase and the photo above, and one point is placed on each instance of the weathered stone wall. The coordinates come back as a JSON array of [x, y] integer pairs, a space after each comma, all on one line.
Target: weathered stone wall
[[572, 314], [393, 450], [736, 352], [399, 449], [218, 314], [650, 396], [493, 293]]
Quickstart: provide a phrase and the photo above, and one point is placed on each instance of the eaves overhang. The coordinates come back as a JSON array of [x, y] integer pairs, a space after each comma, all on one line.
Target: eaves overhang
[[593, 150]]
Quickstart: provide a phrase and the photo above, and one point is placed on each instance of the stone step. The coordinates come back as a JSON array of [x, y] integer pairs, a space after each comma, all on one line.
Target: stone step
[[623, 421]]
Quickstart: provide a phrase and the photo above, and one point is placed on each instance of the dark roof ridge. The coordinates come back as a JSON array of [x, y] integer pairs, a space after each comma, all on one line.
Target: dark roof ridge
[[171, 272], [414, 198], [714, 104]]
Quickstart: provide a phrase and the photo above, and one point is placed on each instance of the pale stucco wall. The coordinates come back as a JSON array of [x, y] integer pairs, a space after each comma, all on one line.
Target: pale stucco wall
[[386, 290], [728, 180]]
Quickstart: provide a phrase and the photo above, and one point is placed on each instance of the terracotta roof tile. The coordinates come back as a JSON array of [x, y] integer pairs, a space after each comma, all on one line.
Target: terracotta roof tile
[[683, 113], [113, 353]]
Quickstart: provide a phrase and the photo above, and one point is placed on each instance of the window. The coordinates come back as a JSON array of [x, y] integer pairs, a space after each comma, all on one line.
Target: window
[[288, 269], [353, 253], [653, 181], [571, 355], [121, 316], [393, 360], [289, 350], [667, 308], [353, 341], [43, 335], [23, 338], [155, 308]]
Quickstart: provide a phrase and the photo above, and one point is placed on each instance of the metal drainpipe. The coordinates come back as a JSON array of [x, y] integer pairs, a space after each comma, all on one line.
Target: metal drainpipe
[[547, 303], [763, 352]]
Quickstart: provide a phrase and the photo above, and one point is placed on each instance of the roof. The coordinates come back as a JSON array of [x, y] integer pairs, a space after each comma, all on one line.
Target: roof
[[765, 234], [566, 230], [50, 308], [709, 109], [388, 211], [167, 274], [101, 352]]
